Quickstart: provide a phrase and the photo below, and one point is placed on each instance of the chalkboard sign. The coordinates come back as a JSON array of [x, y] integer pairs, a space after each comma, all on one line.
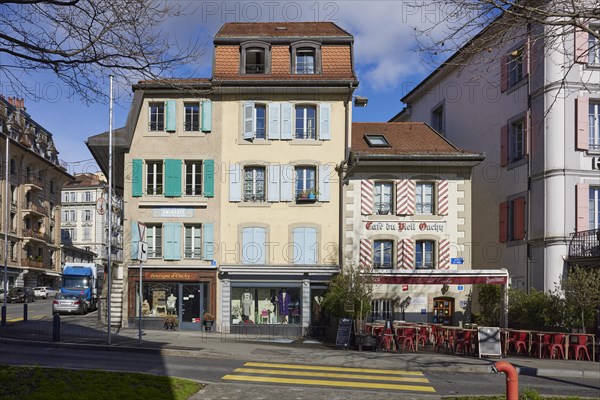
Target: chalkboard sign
[[344, 332], [489, 341]]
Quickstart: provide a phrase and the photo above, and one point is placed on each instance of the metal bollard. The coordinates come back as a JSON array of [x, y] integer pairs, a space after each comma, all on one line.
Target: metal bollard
[[56, 328], [24, 312], [512, 379]]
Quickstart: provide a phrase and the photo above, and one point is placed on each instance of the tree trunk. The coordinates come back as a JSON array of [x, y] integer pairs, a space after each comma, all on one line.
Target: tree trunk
[[582, 321]]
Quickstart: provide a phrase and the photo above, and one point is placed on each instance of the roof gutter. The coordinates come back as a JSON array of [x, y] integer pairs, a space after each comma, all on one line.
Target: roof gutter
[[283, 39], [319, 83]]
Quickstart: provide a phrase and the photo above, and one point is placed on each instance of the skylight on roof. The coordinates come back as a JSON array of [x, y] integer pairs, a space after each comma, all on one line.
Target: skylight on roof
[[377, 141]]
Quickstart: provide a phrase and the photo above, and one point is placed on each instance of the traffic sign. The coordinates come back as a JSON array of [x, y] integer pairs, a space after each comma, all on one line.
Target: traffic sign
[[457, 260], [143, 251]]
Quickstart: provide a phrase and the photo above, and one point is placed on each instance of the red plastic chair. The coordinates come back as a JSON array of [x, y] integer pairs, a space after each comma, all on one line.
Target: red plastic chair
[[423, 336], [520, 342], [463, 342], [409, 338], [556, 345], [387, 342], [546, 343], [580, 348], [439, 337]]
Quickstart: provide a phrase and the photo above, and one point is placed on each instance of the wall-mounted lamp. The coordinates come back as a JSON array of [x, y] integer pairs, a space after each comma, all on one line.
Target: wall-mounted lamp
[[360, 101], [445, 288]]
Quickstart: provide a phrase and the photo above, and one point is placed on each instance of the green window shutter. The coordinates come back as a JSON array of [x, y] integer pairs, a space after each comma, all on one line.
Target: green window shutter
[[206, 116], [208, 244], [135, 240], [173, 178], [171, 111], [209, 178], [136, 179]]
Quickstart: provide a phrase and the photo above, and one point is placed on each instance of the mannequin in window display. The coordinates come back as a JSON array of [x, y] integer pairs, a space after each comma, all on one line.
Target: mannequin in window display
[[171, 300], [283, 304], [247, 304]]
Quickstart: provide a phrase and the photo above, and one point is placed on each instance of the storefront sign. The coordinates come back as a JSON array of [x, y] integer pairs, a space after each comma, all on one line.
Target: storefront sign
[[173, 212], [383, 226], [171, 276], [441, 280]]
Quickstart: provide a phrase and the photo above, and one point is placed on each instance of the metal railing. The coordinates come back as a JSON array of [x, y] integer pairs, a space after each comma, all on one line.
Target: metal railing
[[32, 180], [35, 207], [585, 244]]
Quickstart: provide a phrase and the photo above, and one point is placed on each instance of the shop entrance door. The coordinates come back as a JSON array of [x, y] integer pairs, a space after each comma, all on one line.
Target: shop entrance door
[[191, 306]]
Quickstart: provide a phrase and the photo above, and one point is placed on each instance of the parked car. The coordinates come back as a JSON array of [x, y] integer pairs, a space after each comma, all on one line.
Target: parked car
[[69, 304], [20, 295], [43, 292]]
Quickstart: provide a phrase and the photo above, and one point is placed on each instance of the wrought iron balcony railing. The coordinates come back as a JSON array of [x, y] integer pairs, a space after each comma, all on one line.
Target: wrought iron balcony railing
[[585, 244]]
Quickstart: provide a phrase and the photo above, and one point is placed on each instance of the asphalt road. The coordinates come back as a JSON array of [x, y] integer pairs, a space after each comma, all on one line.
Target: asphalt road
[[217, 371]]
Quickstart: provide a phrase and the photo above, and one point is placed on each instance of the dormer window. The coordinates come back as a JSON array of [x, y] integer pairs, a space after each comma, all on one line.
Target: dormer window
[[306, 58], [377, 140], [256, 58]]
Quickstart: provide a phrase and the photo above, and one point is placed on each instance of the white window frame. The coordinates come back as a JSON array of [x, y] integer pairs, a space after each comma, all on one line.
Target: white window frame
[[420, 247], [379, 246], [87, 234], [516, 140], [593, 47], [191, 116], [594, 125], [378, 199], [152, 180], [88, 197], [437, 118], [195, 234], [420, 201], [193, 178], [305, 169], [154, 238], [594, 207], [305, 133], [516, 66], [156, 118], [382, 309], [254, 195], [87, 215], [303, 51], [255, 120]]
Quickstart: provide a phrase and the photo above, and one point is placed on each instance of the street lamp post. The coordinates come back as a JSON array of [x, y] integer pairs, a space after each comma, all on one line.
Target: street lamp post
[[6, 220]]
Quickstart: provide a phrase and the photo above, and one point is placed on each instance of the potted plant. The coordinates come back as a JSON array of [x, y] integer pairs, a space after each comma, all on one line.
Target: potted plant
[[303, 195], [171, 322], [312, 195], [207, 320]]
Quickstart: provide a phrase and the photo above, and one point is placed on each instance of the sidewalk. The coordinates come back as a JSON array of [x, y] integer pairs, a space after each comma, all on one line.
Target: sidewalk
[[282, 350]]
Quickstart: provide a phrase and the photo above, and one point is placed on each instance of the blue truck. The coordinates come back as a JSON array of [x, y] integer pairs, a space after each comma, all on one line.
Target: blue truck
[[82, 278]]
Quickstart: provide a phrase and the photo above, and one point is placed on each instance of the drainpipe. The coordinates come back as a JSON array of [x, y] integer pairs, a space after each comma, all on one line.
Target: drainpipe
[[512, 379]]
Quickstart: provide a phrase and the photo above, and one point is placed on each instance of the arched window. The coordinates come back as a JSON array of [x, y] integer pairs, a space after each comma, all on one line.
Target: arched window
[[306, 58], [255, 58]]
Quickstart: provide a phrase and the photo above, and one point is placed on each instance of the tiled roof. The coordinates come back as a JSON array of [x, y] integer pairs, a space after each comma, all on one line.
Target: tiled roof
[[403, 137], [281, 29]]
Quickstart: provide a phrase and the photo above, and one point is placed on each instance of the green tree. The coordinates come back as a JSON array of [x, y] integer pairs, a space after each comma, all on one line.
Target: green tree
[[350, 293], [490, 300], [581, 288]]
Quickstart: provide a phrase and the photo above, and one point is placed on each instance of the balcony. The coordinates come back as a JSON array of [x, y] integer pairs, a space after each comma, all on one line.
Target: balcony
[[33, 234], [585, 245], [34, 182], [35, 208]]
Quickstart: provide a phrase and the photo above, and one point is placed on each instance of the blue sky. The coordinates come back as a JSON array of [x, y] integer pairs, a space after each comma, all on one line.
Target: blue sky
[[386, 63]]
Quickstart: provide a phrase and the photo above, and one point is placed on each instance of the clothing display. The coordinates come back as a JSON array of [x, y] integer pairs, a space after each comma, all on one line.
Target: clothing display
[[283, 302], [247, 303]]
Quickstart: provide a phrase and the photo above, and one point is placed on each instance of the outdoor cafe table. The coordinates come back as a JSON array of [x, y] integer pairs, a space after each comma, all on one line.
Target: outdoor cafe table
[[566, 343]]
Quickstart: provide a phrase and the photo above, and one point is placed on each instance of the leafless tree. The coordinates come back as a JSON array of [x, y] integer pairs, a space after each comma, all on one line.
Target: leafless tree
[[478, 27], [81, 42]]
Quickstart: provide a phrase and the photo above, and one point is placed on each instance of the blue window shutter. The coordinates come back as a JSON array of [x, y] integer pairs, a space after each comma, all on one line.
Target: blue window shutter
[[248, 248], [235, 183], [173, 178], [324, 121], [136, 179], [248, 120], [274, 131], [135, 240], [208, 242], [171, 125], [287, 180], [206, 116], [172, 241], [260, 238], [168, 241], [310, 246], [324, 187], [286, 121], [209, 178], [273, 183], [299, 256]]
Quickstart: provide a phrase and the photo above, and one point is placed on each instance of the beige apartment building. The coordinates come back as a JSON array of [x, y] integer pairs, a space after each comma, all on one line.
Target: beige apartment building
[[284, 93], [33, 204]]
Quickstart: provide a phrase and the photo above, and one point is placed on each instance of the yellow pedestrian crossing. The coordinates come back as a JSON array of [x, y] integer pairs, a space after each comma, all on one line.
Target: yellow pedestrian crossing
[[346, 377]]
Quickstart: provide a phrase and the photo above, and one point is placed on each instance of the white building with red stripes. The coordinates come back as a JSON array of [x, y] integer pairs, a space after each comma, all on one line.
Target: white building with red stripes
[[407, 209]]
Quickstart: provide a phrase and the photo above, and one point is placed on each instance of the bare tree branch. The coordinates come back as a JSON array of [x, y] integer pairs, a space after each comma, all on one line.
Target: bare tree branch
[[82, 41]]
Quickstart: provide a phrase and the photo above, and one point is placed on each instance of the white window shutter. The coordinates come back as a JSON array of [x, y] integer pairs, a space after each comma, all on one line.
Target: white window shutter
[[273, 183], [324, 121], [286, 121], [249, 121], [324, 178], [274, 125], [235, 183], [287, 180]]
